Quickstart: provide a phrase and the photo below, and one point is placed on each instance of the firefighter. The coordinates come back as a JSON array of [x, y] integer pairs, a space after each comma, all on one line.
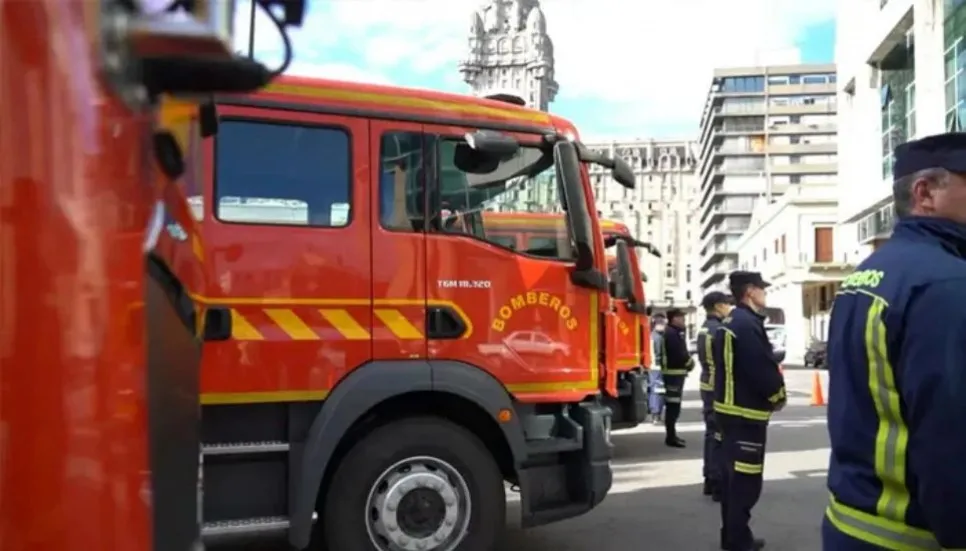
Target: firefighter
[[717, 306], [676, 363], [897, 368], [748, 387]]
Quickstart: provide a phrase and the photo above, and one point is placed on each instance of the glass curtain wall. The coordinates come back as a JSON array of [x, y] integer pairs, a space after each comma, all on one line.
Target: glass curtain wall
[[954, 32]]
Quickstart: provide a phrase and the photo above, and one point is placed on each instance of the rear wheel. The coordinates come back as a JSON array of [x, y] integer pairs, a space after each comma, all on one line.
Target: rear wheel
[[419, 484]]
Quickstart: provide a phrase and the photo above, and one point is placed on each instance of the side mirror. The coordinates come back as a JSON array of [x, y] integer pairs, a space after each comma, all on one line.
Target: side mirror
[[623, 174], [217, 324], [492, 143], [567, 168], [625, 272]]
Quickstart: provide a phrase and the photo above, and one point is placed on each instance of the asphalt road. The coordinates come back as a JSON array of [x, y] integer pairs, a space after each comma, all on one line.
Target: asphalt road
[[656, 501]]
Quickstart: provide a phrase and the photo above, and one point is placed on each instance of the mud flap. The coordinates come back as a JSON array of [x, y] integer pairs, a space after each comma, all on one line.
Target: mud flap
[[173, 362]]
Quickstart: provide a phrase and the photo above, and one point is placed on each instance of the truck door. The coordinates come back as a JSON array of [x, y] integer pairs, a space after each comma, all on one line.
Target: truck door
[[399, 162], [480, 292], [627, 346]]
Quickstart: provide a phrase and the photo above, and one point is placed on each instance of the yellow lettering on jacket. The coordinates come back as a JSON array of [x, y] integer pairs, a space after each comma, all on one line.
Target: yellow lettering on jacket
[[533, 299], [864, 278]]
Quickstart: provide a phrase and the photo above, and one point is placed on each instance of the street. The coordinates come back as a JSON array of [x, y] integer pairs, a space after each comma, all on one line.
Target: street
[[656, 500]]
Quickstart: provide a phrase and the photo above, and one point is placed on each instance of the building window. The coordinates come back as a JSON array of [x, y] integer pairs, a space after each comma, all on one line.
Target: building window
[[282, 173], [954, 32], [911, 110]]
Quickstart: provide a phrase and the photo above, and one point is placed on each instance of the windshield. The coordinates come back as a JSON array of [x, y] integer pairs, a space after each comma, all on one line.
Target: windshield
[[472, 181]]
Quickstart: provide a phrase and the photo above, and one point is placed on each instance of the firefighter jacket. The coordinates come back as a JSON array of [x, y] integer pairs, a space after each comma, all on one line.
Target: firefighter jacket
[[705, 355], [675, 359], [897, 392], [747, 382]]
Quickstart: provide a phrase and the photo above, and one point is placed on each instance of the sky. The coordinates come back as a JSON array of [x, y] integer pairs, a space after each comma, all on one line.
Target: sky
[[626, 69]]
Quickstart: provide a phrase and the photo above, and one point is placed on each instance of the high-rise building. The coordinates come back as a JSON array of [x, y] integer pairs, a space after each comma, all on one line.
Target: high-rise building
[[658, 211], [901, 75], [511, 53], [763, 130]]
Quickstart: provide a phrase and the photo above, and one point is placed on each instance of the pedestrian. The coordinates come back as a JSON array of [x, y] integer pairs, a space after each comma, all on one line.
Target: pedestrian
[[748, 387], [717, 306], [897, 368], [654, 380], [676, 363]]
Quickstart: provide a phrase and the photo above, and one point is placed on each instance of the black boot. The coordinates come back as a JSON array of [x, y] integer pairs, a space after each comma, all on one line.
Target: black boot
[[674, 442], [708, 487], [712, 488], [756, 545]]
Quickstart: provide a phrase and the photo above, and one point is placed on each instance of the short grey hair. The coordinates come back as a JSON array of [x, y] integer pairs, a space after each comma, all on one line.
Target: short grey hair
[[902, 188]]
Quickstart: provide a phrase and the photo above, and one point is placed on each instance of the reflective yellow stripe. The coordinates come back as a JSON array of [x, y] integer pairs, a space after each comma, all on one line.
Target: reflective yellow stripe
[[709, 354], [674, 371], [729, 365], [778, 396], [717, 436], [892, 436], [708, 387], [748, 468], [747, 413], [882, 532], [672, 400]]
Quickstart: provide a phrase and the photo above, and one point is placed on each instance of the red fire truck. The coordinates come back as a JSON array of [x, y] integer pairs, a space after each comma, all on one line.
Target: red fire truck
[[99, 340], [361, 399]]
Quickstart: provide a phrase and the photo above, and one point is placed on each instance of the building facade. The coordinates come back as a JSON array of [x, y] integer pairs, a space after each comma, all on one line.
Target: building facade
[[510, 52], [764, 131], [900, 76], [658, 211], [792, 243]]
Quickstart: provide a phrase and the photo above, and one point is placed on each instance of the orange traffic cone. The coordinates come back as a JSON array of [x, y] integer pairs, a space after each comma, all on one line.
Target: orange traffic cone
[[818, 397]]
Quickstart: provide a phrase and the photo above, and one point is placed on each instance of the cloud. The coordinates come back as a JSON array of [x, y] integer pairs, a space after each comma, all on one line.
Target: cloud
[[646, 65]]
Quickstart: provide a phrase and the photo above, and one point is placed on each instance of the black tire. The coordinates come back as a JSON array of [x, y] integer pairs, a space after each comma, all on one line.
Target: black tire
[[343, 518]]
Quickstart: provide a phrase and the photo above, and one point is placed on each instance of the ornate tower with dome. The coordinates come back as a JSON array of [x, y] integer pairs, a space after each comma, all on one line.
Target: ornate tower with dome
[[510, 52]]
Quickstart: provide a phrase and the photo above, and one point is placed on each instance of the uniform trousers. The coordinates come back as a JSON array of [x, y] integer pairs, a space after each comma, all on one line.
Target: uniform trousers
[[712, 439], [673, 394], [655, 386], [743, 461]]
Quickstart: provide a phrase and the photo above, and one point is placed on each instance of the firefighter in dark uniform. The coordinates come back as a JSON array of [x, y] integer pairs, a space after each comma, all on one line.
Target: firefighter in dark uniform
[[676, 363], [897, 369], [748, 387], [717, 306]]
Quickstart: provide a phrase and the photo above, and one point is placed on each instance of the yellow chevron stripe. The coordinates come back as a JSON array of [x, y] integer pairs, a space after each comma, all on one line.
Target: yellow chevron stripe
[[242, 330], [197, 247], [344, 323], [398, 324], [292, 324]]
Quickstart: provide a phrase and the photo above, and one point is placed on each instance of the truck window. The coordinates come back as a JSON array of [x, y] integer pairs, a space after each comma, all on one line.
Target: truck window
[[282, 173], [469, 183], [400, 181]]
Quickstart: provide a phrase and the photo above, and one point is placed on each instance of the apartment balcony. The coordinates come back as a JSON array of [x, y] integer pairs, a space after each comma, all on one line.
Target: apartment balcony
[[803, 109], [715, 274], [802, 148], [715, 211], [801, 129], [805, 168], [802, 89], [806, 266]]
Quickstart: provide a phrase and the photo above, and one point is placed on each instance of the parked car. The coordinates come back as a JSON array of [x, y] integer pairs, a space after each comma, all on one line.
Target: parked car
[[815, 355]]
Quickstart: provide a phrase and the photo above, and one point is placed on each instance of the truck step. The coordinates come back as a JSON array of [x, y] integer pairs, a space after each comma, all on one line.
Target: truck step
[[243, 527], [553, 445], [244, 448]]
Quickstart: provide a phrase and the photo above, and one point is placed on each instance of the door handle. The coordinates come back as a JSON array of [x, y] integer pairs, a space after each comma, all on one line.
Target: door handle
[[442, 322]]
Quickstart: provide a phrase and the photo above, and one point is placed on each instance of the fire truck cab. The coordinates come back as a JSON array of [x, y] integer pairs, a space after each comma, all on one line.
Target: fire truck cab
[[391, 365]]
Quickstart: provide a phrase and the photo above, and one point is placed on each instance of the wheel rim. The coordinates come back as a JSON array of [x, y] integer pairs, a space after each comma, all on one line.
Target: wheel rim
[[418, 504]]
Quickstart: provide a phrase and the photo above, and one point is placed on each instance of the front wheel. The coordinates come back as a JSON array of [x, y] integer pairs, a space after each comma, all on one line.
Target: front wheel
[[421, 484]]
